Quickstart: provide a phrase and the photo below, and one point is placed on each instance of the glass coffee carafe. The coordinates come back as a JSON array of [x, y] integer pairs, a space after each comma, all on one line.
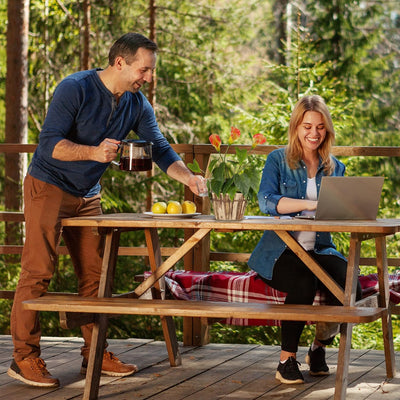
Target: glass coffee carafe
[[136, 155]]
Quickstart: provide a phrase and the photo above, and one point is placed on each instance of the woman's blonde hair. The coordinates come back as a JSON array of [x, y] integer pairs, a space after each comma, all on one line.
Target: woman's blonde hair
[[294, 150]]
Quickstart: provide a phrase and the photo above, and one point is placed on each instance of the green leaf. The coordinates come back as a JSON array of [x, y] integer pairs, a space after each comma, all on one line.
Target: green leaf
[[243, 183], [241, 155], [212, 165], [232, 191], [219, 172], [216, 186], [194, 167], [254, 178], [228, 186]]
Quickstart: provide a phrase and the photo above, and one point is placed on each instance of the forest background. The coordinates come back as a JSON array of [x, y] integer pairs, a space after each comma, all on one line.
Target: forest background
[[221, 63]]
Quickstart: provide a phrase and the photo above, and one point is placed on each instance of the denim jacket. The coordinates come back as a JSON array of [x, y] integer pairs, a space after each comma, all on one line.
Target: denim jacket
[[278, 181]]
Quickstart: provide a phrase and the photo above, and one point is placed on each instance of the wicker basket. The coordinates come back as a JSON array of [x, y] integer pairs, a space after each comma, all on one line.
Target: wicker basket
[[227, 209]]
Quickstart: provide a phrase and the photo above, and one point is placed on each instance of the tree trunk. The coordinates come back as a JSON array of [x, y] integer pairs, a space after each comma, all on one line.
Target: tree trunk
[[152, 88], [152, 27], [282, 25], [47, 57], [16, 109], [85, 60]]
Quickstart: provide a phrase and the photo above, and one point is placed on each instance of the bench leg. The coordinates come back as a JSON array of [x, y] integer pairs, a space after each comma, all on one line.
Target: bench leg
[[342, 369], [171, 341]]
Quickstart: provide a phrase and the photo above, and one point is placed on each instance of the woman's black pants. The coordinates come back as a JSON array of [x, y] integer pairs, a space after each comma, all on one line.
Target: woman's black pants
[[293, 277]]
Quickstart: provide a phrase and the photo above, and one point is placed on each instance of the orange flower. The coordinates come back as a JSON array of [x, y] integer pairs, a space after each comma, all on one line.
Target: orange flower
[[215, 140], [258, 138], [235, 133]]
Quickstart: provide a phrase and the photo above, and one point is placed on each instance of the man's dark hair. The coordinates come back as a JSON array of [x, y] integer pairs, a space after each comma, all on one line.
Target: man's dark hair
[[127, 46]]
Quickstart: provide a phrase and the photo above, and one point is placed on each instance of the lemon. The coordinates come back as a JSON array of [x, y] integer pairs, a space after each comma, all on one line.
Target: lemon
[[188, 207], [174, 207], [159, 208]]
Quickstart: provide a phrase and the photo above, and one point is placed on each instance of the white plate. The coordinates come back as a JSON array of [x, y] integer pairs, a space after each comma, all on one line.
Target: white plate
[[170, 216]]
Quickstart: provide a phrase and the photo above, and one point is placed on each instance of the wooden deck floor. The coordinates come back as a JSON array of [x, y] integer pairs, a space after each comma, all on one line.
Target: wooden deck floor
[[215, 371]]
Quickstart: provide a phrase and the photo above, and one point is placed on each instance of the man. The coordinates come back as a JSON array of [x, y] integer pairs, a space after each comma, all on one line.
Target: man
[[91, 112]]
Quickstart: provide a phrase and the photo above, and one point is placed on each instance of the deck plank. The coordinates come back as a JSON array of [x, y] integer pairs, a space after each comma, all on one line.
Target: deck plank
[[161, 378], [226, 362], [228, 376], [215, 371]]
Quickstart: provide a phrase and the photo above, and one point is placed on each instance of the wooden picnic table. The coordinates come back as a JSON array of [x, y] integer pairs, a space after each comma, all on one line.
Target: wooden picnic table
[[112, 225]]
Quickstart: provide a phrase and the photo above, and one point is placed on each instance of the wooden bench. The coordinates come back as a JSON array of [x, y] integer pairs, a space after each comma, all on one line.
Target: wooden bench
[[204, 309], [202, 285]]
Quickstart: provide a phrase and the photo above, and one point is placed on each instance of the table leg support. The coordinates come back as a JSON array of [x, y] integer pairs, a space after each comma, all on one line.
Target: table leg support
[[167, 322], [95, 360], [384, 298], [346, 330], [387, 333], [342, 369], [99, 332]]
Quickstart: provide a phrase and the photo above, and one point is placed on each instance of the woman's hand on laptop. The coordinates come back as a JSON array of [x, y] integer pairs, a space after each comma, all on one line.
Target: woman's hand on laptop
[[287, 205], [311, 205]]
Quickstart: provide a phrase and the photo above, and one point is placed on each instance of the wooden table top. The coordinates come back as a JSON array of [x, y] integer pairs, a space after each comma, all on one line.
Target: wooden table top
[[140, 220]]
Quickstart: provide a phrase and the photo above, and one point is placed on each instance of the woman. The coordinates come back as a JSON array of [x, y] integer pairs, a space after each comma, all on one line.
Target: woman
[[289, 186]]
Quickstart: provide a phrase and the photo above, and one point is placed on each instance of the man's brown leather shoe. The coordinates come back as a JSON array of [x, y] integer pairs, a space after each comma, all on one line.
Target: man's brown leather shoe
[[33, 372], [112, 366]]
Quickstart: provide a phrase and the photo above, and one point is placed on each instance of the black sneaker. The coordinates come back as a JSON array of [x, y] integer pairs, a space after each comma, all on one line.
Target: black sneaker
[[289, 372], [316, 360]]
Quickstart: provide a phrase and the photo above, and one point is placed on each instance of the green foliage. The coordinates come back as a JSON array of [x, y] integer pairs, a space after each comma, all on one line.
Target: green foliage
[[245, 334], [232, 174], [198, 74]]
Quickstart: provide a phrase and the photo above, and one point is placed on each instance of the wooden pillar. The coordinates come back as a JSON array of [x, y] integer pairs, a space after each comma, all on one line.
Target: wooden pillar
[[195, 330]]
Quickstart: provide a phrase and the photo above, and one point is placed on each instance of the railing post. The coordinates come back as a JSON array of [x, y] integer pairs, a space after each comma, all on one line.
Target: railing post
[[195, 331]]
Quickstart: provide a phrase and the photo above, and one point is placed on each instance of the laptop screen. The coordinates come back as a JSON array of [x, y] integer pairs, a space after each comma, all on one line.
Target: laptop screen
[[349, 197]]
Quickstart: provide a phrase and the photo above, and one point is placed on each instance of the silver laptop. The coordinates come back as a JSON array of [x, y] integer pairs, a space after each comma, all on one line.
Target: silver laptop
[[348, 197]]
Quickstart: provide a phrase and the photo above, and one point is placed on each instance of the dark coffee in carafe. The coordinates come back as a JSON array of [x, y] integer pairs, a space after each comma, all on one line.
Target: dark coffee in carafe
[[136, 155]]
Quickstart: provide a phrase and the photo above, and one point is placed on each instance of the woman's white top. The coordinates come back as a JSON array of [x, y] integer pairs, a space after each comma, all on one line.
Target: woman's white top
[[307, 239]]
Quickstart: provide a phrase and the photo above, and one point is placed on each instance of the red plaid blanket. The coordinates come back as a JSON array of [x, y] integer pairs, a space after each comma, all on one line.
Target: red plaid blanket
[[248, 288]]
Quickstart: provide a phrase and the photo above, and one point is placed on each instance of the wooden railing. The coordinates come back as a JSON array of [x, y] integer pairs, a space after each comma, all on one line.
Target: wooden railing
[[202, 154]]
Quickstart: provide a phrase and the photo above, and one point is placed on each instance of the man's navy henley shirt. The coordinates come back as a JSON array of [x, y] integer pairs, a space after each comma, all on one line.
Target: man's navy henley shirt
[[85, 112]]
